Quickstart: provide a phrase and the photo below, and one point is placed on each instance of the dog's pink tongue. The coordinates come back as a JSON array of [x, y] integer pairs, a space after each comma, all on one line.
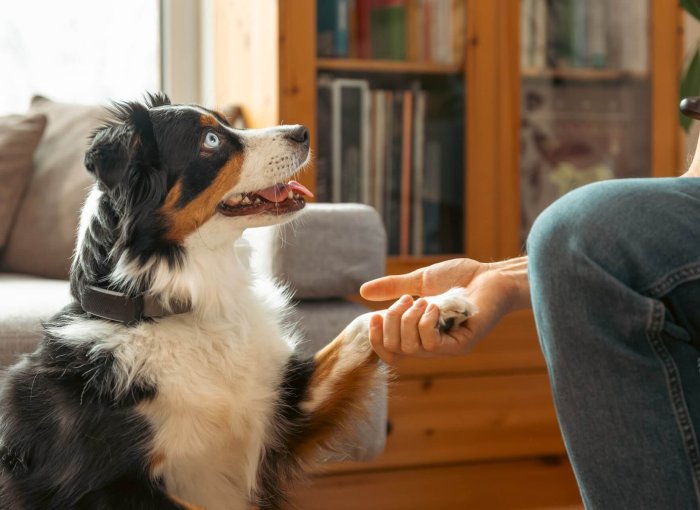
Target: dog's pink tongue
[[280, 192]]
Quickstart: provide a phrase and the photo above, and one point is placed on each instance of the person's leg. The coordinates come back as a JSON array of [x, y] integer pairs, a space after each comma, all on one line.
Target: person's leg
[[615, 279]]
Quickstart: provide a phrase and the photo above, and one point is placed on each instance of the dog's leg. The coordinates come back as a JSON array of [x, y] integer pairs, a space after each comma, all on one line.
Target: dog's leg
[[347, 371]]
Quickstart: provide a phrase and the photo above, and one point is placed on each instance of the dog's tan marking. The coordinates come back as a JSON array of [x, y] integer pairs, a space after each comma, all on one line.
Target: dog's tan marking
[[184, 220], [185, 504], [350, 388], [208, 120]]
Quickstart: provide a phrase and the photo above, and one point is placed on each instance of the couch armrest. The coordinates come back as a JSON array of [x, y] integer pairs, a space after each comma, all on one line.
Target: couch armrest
[[328, 252]]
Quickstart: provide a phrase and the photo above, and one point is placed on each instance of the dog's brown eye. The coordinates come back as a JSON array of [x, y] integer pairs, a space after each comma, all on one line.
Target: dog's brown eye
[[211, 140]]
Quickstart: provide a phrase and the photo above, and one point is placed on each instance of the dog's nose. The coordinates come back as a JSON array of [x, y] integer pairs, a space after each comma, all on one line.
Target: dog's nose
[[299, 134]]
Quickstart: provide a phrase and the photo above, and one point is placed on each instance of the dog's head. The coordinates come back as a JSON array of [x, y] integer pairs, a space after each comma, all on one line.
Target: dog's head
[[170, 174], [188, 165]]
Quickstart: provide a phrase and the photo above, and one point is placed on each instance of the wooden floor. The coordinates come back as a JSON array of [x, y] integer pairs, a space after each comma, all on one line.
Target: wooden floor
[[507, 485]]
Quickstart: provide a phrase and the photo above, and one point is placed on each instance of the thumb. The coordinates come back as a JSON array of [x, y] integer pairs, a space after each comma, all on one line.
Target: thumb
[[392, 287]]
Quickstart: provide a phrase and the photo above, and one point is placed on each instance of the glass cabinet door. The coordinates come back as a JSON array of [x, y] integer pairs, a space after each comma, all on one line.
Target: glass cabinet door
[[585, 97], [391, 115]]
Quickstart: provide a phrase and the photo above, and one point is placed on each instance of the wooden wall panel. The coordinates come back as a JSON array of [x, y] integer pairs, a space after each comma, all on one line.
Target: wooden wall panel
[[456, 419]]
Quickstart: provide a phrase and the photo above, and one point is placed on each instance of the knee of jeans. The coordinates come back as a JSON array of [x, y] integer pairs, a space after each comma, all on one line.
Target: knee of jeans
[[570, 228]]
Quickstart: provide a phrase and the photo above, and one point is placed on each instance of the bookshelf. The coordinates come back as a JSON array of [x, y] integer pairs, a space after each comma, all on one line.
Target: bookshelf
[[266, 58]]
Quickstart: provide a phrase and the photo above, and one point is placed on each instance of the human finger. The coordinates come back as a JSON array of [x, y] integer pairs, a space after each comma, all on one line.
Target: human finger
[[410, 339], [391, 287], [392, 324]]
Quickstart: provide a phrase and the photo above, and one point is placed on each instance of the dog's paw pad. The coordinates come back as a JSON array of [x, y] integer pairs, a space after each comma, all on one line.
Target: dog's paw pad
[[454, 306]]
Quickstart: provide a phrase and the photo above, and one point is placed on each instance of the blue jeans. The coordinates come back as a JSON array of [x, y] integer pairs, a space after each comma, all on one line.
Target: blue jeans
[[615, 279]]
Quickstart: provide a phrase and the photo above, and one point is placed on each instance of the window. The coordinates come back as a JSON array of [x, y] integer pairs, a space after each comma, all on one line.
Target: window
[[78, 51]]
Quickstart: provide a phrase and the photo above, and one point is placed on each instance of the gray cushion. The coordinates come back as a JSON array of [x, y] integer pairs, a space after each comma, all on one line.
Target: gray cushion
[[328, 252], [42, 240], [26, 302]]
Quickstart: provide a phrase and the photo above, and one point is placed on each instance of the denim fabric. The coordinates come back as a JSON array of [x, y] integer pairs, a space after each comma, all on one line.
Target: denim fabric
[[615, 278]]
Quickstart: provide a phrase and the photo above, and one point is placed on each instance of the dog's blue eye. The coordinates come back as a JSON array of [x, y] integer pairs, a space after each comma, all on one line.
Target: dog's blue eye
[[211, 140]]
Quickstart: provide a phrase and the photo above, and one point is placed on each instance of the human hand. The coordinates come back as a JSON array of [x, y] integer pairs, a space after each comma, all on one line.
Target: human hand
[[409, 327]]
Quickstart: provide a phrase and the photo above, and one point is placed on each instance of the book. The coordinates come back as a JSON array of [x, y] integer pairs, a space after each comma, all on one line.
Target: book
[[325, 27], [340, 39], [324, 146], [539, 49], [595, 27], [634, 44], [527, 33], [388, 29], [406, 147], [393, 170], [350, 149], [579, 33], [378, 148], [418, 171], [364, 48], [332, 36]]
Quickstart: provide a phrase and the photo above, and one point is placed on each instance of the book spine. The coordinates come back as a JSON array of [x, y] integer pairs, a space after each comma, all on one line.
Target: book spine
[[364, 41], [324, 156], [595, 27], [325, 28], [380, 151], [539, 51], [406, 139], [353, 33], [341, 31], [579, 50], [418, 171], [428, 30], [459, 29], [336, 147], [614, 30], [365, 142], [526, 33], [635, 36], [411, 30]]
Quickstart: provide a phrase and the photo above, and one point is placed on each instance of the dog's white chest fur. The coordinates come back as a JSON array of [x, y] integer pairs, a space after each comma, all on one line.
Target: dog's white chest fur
[[216, 390]]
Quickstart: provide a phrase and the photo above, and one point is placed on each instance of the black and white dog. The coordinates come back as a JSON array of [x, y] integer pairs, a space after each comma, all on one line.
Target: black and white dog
[[171, 382]]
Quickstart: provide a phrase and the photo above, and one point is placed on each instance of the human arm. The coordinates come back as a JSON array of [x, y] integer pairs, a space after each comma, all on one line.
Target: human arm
[[409, 327]]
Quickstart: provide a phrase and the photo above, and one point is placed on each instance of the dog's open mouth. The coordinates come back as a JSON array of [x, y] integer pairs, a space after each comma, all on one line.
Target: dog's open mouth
[[277, 199]]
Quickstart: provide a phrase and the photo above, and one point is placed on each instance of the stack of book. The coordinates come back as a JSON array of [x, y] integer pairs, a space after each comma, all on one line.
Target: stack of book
[[585, 34], [418, 30], [400, 151]]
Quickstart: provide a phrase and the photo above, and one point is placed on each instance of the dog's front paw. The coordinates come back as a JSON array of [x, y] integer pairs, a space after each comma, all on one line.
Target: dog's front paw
[[454, 306]]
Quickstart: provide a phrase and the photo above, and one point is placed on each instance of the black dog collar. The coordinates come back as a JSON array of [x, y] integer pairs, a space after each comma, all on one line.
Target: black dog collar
[[119, 307]]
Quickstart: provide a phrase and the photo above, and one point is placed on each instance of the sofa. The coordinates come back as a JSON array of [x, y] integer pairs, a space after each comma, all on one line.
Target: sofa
[[42, 187]]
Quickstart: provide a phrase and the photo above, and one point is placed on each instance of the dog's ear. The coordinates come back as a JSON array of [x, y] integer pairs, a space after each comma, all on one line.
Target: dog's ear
[[127, 144]]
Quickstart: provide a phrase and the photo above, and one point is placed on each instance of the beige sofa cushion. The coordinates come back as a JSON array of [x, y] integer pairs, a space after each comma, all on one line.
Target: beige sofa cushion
[[43, 237], [19, 137], [25, 302]]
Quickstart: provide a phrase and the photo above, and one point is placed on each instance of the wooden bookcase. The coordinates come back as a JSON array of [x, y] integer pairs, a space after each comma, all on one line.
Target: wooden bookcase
[[478, 430]]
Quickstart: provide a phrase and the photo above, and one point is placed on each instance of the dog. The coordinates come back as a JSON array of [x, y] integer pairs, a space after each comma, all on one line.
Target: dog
[[172, 381]]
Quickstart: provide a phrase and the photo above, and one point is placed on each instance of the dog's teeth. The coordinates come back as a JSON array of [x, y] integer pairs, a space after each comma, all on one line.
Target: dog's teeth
[[235, 200], [257, 201], [290, 195], [246, 201]]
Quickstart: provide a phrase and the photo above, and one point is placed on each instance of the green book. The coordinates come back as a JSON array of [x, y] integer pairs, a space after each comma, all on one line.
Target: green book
[[388, 32]]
